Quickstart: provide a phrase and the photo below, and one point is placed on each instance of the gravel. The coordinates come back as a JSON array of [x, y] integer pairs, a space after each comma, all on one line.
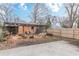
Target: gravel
[[57, 48]]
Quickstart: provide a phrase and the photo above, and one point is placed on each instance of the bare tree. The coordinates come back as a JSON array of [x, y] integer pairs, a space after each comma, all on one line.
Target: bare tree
[[6, 12], [72, 11], [39, 13]]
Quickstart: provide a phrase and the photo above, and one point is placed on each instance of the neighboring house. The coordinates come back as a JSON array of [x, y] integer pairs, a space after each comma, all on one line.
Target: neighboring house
[[16, 28], [55, 23]]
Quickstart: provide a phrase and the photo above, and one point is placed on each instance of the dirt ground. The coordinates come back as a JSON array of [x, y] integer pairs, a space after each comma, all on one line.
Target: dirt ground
[[56, 48], [16, 41], [49, 45]]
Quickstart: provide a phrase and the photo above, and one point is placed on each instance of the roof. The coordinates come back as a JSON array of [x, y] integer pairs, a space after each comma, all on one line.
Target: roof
[[19, 24]]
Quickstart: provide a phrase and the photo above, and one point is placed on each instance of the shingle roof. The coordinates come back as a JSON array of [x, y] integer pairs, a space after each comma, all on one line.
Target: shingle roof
[[21, 23]]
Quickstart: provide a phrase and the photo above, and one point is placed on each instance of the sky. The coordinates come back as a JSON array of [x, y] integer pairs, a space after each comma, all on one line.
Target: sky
[[23, 10]]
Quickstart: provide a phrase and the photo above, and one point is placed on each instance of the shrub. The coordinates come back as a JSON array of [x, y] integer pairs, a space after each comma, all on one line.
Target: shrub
[[6, 33], [1, 37], [1, 30], [48, 24], [22, 35]]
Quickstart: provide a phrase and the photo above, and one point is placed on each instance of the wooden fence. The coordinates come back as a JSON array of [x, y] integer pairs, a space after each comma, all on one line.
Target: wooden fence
[[65, 32]]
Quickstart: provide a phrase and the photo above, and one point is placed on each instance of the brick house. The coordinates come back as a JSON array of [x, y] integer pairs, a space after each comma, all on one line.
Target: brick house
[[16, 28]]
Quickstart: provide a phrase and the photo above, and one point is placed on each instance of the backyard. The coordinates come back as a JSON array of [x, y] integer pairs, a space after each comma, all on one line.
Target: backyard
[[39, 29], [57, 48], [41, 44], [18, 41]]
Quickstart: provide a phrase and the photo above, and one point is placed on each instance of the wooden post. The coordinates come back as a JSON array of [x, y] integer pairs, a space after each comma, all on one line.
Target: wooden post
[[73, 33], [60, 34], [23, 28]]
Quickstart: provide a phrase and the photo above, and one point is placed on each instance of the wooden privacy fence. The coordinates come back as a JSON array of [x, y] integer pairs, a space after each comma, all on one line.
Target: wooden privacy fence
[[65, 32]]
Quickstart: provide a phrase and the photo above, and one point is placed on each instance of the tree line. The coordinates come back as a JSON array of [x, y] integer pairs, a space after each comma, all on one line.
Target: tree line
[[41, 14]]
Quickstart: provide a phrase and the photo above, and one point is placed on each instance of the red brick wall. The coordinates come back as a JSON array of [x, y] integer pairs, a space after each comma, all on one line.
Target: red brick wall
[[23, 29], [20, 29]]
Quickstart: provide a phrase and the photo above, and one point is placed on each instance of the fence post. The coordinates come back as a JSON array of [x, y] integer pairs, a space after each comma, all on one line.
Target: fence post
[[60, 35], [73, 33]]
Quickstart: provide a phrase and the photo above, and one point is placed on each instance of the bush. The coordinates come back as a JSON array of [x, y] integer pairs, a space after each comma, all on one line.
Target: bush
[[23, 35], [78, 23], [48, 24], [1, 30], [6, 33], [2, 37]]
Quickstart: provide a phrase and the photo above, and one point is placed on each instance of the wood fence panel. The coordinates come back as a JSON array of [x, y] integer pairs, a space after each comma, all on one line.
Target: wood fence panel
[[58, 34], [76, 32], [67, 35], [65, 32], [76, 36]]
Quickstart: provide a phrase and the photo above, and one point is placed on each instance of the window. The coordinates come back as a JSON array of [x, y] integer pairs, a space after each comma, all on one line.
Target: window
[[32, 27]]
